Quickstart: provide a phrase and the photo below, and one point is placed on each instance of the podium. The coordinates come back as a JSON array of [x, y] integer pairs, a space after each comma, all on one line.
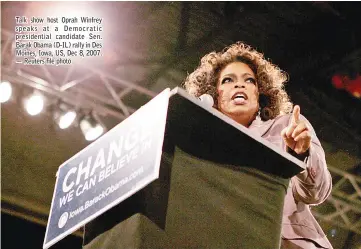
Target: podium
[[219, 186]]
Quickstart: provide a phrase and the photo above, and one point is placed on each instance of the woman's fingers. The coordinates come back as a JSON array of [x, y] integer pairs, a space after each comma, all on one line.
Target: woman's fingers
[[299, 129], [289, 141], [290, 130], [305, 135], [295, 121], [296, 114], [297, 135], [303, 142]]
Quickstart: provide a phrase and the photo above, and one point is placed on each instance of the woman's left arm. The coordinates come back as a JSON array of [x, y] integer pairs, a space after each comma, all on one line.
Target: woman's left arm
[[313, 185]]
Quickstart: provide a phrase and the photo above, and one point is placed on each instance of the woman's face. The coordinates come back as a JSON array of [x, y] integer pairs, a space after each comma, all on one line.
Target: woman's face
[[238, 93]]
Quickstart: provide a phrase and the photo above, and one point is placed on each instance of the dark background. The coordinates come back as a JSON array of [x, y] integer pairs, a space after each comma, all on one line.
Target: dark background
[[149, 46]]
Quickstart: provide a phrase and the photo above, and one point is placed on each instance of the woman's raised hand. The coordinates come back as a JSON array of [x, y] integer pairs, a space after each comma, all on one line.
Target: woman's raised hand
[[297, 135]]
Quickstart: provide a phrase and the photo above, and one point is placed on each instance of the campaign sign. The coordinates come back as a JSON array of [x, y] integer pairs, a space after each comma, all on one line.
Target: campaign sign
[[117, 165]]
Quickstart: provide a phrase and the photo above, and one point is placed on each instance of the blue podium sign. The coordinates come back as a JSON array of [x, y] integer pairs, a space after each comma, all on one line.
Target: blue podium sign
[[117, 165]]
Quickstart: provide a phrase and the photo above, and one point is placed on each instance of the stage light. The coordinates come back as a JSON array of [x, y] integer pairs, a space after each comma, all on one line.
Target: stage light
[[64, 114], [66, 119], [34, 104], [91, 128], [5, 91]]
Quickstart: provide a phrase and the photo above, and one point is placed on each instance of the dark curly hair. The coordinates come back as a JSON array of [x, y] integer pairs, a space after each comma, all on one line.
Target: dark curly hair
[[273, 98]]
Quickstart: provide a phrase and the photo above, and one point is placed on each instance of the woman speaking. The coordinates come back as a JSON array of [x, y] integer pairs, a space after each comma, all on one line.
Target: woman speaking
[[249, 89]]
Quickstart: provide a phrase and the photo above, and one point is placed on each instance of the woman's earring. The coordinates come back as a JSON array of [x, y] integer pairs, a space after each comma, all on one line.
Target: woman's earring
[[258, 117], [258, 120]]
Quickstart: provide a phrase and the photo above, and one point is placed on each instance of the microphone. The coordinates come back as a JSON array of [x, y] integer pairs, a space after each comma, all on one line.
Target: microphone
[[207, 100]]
